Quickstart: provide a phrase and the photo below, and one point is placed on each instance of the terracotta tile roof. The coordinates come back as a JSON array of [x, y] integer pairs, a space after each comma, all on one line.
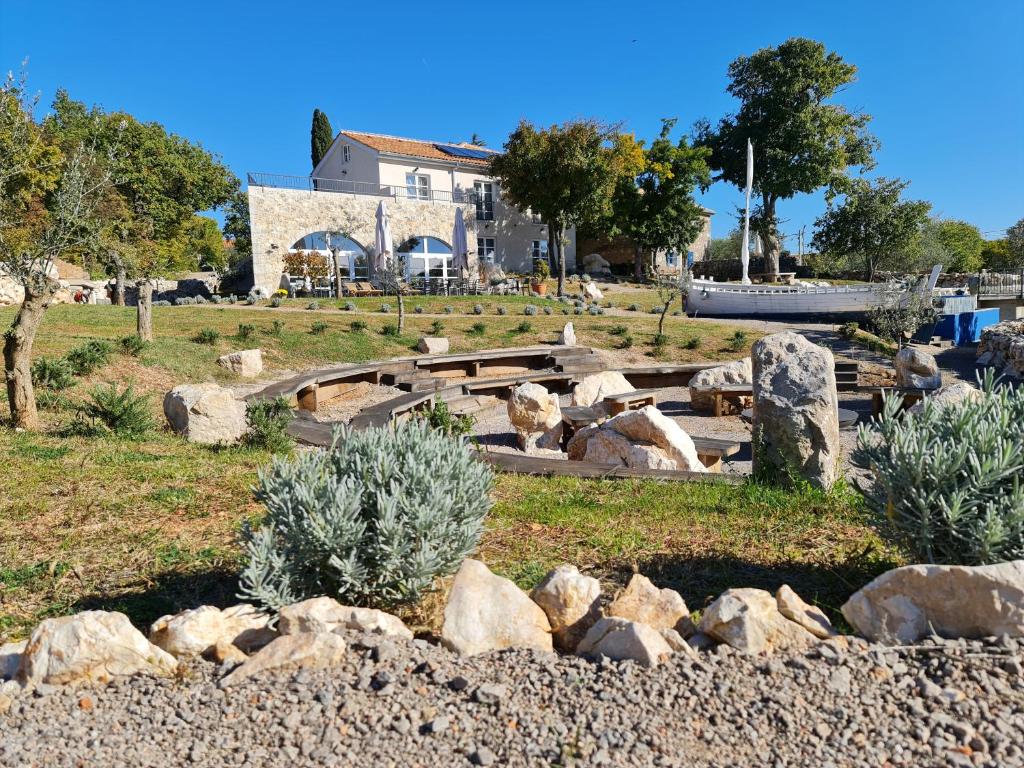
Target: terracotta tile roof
[[415, 147]]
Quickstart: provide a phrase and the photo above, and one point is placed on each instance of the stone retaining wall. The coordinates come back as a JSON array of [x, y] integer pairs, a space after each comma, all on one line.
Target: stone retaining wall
[[1002, 347]]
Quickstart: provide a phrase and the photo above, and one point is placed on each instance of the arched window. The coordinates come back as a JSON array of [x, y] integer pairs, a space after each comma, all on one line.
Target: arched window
[[352, 258], [427, 258]]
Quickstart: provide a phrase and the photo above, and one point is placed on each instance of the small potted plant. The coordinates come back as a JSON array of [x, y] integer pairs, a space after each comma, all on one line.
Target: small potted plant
[[541, 272]]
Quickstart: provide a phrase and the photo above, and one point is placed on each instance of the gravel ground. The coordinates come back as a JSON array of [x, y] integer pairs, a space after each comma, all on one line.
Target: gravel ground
[[348, 404], [397, 703]]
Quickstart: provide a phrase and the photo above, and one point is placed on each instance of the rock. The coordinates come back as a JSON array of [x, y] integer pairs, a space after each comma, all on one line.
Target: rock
[[594, 263], [678, 644], [89, 647], [248, 363], [195, 632], [10, 659], [649, 425], [594, 388], [536, 415], [796, 409], [227, 653], [916, 368], [591, 292], [605, 446], [205, 413], [306, 650], [324, 614], [570, 600], [810, 617], [433, 345], [568, 336], [906, 604], [749, 621], [950, 395], [1002, 346], [643, 602], [619, 640], [737, 372], [487, 613], [11, 291]]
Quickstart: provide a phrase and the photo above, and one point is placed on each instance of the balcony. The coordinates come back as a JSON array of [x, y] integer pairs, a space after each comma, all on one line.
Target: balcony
[[312, 184]]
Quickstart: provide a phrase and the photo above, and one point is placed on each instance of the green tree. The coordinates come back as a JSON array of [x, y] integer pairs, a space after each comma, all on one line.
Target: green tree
[[477, 141], [236, 223], [995, 255], [656, 209], [872, 225], [725, 248], [801, 142], [1015, 243], [320, 137], [964, 243], [567, 174]]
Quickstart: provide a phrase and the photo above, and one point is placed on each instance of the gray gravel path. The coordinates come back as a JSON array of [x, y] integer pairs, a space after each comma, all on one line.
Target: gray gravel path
[[412, 704]]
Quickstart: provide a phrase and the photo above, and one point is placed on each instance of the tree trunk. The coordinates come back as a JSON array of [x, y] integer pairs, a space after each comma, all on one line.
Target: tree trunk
[[556, 236], [18, 359], [119, 285], [144, 320], [337, 275], [638, 262], [661, 319], [401, 305], [767, 231]]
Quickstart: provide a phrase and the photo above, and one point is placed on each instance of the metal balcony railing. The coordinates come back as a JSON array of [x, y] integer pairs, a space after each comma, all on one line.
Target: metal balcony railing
[[1002, 285], [397, 191]]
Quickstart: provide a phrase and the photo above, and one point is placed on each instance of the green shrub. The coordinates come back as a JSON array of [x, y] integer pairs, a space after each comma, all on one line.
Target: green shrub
[[267, 420], [275, 328], [502, 310], [418, 309], [348, 306], [110, 410], [547, 310], [373, 521], [529, 310], [478, 329], [627, 342], [618, 330], [737, 342], [436, 327], [449, 309], [313, 306], [390, 330], [565, 310], [53, 374], [275, 301], [693, 342], [318, 328], [86, 358], [246, 331], [439, 417], [633, 307], [358, 325], [660, 340], [478, 309], [849, 330], [656, 310], [523, 327], [946, 482], [132, 346], [385, 308]]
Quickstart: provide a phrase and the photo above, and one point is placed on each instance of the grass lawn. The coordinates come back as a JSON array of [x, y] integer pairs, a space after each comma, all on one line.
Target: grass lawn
[[150, 526]]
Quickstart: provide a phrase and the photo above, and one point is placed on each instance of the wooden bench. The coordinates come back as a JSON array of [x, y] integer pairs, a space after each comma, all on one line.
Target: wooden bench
[[631, 401], [725, 392], [575, 418], [711, 451], [910, 395]]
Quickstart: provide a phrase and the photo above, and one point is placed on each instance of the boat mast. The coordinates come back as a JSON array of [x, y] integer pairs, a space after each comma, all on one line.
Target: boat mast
[[745, 248]]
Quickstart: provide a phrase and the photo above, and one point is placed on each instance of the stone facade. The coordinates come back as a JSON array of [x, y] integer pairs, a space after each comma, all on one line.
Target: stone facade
[[620, 251]]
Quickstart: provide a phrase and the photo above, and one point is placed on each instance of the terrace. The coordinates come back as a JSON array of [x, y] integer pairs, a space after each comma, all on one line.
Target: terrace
[[371, 188]]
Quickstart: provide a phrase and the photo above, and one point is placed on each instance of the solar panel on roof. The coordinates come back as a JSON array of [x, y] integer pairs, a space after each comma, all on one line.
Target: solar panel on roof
[[475, 154]]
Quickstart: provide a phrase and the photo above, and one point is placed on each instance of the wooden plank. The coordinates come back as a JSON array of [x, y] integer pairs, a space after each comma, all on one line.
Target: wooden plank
[[538, 466], [625, 397]]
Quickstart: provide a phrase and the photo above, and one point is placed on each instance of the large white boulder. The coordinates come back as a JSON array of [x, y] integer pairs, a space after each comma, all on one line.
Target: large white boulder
[[594, 388], [620, 640], [197, 631], [949, 396], [643, 602], [606, 446], [567, 337], [247, 363], [433, 345], [570, 600], [205, 413], [11, 291], [916, 368], [736, 372], [649, 425], [488, 613], [796, 409], [906, 604], [595, 263], [591, 292], [307, 650], [325, 614], [89, 647], [749, 620], [536, 416]]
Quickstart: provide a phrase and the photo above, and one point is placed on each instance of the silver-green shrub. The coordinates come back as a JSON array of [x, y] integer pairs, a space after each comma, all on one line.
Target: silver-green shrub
[[947, 480], [371, 521]]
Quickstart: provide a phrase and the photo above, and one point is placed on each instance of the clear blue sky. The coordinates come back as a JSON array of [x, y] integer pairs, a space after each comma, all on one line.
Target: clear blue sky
[[944, 81]]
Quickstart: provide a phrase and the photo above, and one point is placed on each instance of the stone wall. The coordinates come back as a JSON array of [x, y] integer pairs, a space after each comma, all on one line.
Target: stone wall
[[279, 217], [619, 251], [1002, 347]]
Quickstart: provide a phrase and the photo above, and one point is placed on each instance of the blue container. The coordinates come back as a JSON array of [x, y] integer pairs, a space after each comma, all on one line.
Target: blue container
[[964, 327]]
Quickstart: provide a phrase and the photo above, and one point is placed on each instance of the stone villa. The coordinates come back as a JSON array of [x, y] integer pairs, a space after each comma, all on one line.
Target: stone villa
[[424, 184]]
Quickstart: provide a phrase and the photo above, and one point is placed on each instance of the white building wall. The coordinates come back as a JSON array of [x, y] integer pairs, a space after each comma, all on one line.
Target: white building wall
[[361, 166]]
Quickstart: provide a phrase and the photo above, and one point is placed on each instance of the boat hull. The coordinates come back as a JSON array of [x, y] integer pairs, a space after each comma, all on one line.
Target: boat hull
[[707, 299]]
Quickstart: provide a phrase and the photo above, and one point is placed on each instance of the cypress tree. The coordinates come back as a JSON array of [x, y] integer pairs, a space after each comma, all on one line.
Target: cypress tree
[[320, 136]]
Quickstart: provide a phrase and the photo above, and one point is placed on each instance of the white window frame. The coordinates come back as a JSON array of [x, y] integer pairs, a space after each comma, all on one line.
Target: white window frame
[[539, 250], [346, 153], [417, 186], [484, 200], [485, 248]]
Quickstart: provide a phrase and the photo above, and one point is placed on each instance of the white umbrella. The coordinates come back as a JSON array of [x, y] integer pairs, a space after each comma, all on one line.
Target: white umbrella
[[745, 249], [383, 239], [460, 249]]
